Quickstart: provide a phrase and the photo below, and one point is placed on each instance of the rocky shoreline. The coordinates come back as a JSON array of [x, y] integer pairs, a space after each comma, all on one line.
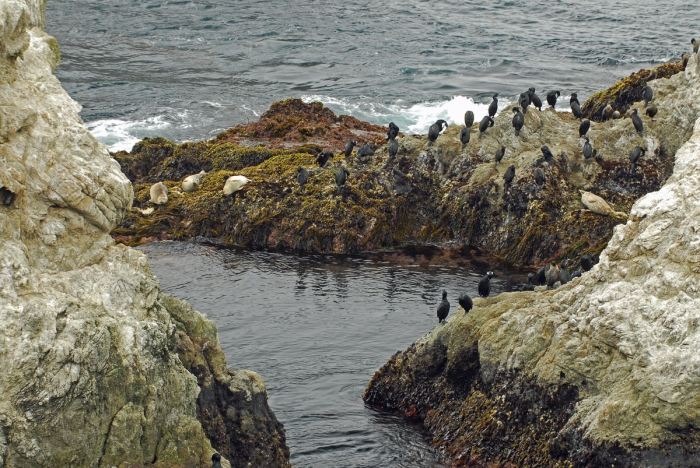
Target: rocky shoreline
[[599, 372], [428, 195], [97, 366]]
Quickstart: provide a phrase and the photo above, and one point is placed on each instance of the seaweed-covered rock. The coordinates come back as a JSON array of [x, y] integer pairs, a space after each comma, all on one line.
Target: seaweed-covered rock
[[599, 372], [427, 194], [91, 354]]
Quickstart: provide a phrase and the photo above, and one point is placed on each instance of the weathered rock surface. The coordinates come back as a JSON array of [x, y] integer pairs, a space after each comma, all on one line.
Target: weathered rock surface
[[91, 354], [603, 371], [428, 194]]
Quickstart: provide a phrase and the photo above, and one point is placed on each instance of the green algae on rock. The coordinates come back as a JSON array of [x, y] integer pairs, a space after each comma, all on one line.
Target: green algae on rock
[[428, 194], [599, 372]]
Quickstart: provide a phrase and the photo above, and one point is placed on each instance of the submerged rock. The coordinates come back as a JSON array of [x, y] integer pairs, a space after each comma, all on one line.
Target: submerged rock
[[426, 194], [91, 353], [600, 372]]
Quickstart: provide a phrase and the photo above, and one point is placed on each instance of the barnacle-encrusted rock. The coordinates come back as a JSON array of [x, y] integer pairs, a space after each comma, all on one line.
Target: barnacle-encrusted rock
[[602, 371], [91, 353]]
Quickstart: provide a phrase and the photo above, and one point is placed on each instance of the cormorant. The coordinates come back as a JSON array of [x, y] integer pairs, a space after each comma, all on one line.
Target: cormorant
[[348, 147], [548, 156], [552, 98], [648, 93], [518, 120], [534, 99], [392, 132], [302, 176], [583, 128], [586, 262], [500, 152], [444, 308], [529, 286], [365, 150], [635, 154], [341, 176], [696, 45], [539, 176], [508, 177], [469, 118], [393, 147], [465, 136], [524, 101], [637, 121], [493, 107], [466, 302], [575, 106], [564, 275], [485, 284], [435, 130], [323, 157], [587, 150], [216, 461], [652, 111], [485, 123], [541, 276]]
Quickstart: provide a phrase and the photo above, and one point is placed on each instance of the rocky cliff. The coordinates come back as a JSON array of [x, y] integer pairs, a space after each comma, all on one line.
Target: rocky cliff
[[603, 371], [439, 194], [97, 367]]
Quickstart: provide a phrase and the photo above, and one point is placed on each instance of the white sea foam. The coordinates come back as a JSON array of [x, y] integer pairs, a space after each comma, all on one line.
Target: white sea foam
[[417, 118], [121, 134]]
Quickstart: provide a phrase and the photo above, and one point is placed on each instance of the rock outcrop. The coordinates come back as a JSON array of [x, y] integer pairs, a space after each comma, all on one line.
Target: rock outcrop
[[97, 367], [603, 371], [438, 194]]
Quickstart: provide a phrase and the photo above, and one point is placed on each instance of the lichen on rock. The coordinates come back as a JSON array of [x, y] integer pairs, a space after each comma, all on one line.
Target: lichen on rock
[[91, 367], [599, 372]]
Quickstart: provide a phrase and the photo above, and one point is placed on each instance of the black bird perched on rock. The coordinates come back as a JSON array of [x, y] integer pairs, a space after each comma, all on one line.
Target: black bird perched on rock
[[216, 461], [435, 130], [392, 132], [587, 149], [365, 150], [529, 286], [518, 120], [6, 197], [393, 147], [552, 98], [444, 308], [341, 176], [564, 275], [575, 106], [548, 156], [493, 107], [323, 157], [635, 154], [508, 177], [583, 128], [485, 284], [552, 274], [696, 45], [541, 276], [534, 98], [485, 123], [652, 111], [648, 94], [500, 152], [302, 176], [539, 176], [348, 147], [524, 101], [465, 136], [637, 122], [465, 302], [608, 112], [469, 118], [586, 262]]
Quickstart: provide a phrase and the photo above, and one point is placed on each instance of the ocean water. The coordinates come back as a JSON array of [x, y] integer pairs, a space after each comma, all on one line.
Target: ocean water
[[187, 70], [317, 328]]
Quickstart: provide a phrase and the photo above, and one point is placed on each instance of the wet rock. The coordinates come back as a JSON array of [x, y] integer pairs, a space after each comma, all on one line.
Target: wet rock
[[595, 373]]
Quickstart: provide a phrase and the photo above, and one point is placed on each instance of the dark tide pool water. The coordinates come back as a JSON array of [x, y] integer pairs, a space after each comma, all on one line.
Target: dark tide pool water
[[317, 328], [189, 69]]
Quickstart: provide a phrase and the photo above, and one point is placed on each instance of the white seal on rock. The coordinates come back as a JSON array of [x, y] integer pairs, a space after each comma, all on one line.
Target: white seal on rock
[[192, 182], [598, 205], [159, 194], [234, 184]]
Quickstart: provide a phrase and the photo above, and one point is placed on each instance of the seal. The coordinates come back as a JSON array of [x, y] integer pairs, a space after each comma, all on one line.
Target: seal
[[191, 183], [444, 308], [234, 184], [608, 111], [597, 205], [159, 194]]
